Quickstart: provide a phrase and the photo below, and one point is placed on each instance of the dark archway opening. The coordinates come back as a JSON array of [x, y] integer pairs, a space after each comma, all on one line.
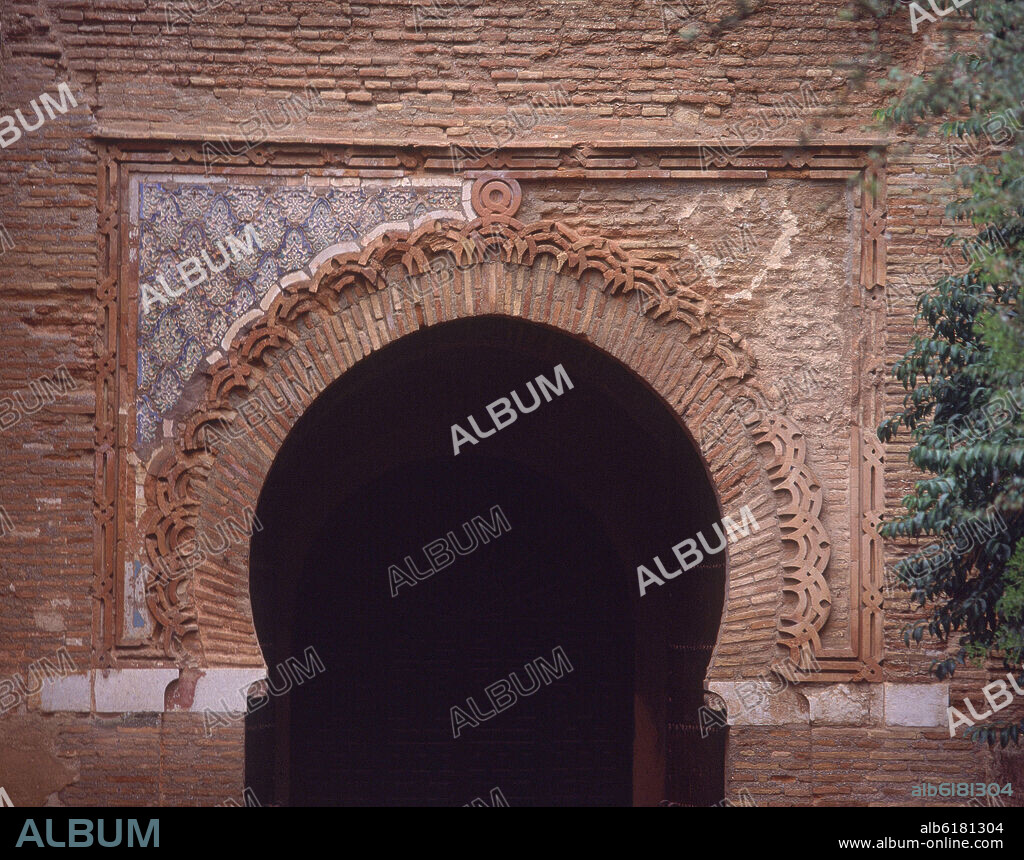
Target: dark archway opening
[[571, 689]]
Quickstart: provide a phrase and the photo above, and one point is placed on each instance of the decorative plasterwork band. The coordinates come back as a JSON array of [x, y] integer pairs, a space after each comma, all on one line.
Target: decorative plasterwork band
[[801, 526]]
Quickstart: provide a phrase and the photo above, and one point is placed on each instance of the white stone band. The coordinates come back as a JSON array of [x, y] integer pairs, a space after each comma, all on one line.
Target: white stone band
[[112, 691], [760, 703]]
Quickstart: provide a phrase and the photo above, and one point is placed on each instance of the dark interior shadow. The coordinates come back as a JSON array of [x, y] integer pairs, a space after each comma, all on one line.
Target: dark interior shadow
[[591, 484]]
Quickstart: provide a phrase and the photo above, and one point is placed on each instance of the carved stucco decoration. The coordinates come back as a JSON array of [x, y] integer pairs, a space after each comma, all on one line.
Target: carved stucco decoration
[[178, 473], [173, 485], [872, 265], [801, 525], [107, 295], [867, 637]]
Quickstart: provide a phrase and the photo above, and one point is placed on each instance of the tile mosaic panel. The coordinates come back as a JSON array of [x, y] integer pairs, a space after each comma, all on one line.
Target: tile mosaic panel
[[209, 253]]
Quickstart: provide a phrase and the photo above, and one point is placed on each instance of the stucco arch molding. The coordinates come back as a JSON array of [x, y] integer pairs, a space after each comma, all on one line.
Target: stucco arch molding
[[357, 301]]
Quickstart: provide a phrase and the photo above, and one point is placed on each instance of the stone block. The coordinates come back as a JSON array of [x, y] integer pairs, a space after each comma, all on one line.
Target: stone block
[[844, 704], [916, 704], [70, 693], [132, 690], [224, 690]]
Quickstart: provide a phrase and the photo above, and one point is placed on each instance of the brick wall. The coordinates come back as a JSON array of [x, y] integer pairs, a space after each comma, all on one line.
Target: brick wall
[[464, 77]]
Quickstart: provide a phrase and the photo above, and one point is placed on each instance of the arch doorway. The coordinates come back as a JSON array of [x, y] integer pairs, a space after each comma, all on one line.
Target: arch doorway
[[477, 616]]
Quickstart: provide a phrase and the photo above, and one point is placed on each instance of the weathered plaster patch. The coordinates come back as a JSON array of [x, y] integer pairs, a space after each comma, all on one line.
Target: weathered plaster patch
[[780, 248], [31, 771], [52, 622]]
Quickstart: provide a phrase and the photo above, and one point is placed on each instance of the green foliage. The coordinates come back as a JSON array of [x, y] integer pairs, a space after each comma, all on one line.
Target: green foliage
[[964, 372], [1010, 637]]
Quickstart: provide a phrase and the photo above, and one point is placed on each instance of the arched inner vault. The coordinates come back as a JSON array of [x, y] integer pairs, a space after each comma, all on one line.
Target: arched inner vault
[[357, 303]]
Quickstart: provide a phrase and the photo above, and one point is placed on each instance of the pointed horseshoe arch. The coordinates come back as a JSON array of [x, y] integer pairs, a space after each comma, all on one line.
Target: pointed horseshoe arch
[[316, 329]]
